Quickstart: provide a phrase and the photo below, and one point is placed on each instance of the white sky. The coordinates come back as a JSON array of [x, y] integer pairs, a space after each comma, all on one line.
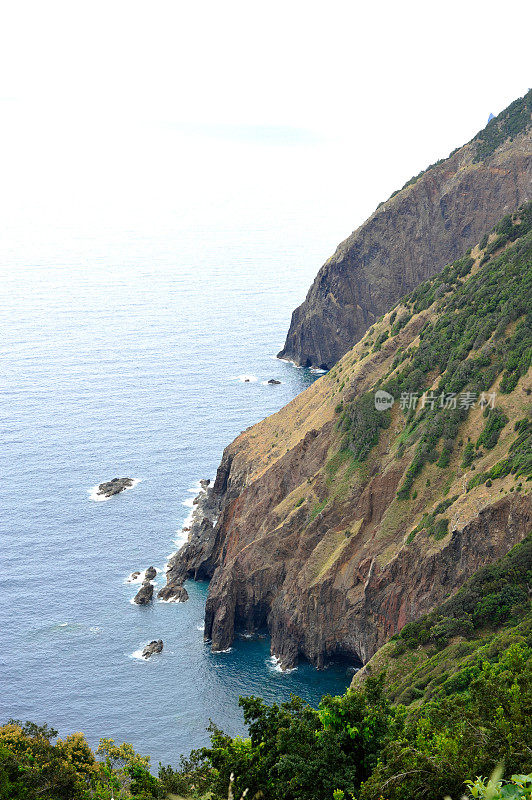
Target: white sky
[[147, 119]]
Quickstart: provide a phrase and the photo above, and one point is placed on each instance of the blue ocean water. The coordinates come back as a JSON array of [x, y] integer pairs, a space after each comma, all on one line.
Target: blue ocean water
[[113, 369]]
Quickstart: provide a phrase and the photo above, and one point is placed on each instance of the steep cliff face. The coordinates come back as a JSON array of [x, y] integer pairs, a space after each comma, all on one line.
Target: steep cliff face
[[332, 523], [410, 238]]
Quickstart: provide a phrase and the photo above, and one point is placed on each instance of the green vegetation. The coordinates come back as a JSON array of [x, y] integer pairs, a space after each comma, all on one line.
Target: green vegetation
[[518, 462], [489, 437], [465, 344], [317, 509], [519, 787], [33, 767], [509, 123], [362, 424]]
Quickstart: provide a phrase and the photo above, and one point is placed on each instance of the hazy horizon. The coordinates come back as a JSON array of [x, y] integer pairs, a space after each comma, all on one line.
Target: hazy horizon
[[125, 127]]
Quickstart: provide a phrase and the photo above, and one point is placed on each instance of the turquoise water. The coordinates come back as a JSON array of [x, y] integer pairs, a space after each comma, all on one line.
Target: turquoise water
[[113, 369]]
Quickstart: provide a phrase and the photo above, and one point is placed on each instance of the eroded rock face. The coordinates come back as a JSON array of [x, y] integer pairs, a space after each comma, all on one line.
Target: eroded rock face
[[115, 486], [197, 557], [144, 594], [156, 646], [173, 593], [280, 580], [408, 239]]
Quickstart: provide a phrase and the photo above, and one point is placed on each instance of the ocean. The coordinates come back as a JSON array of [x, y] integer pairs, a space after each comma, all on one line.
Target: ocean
[[134, 367]]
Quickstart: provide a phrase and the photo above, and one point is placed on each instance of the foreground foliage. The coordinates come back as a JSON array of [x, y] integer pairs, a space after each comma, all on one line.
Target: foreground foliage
[[33, 766]]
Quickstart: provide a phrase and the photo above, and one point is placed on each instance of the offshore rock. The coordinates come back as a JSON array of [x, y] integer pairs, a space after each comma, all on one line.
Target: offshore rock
[[144, 594], [115, 486], [156, 646]]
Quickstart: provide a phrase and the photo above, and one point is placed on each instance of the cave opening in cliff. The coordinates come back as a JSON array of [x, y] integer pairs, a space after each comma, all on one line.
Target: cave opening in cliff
[[343, 659]]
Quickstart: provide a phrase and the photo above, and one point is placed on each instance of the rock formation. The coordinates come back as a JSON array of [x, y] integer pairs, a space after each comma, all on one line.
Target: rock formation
[[173, 593], [155, 646], [115, 486], [412, 236], [200, 532], [144, 594]]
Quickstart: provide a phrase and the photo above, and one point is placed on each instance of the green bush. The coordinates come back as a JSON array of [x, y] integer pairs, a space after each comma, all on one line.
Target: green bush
[[489, 437]]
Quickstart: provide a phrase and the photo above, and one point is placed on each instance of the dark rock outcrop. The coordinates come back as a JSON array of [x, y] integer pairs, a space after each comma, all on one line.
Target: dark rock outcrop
[[409, 238], [155, 646], [144, 594], [173, 593], [274, 382], [200, 548], [150, 574], [115, 486]]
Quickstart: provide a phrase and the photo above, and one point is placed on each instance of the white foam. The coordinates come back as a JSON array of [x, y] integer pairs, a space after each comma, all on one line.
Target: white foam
[[200, 627], [316, 371], [63, 624], [245, 378], [138, 654], [182, 535], [288, 361], [141, 577], [99, 498], [171, 600], [95, 629], [216, 652], [138, 579], [274, 663]]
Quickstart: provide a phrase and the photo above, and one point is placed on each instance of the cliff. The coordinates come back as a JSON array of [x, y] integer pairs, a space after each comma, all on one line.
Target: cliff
[[333, 522], [410, 237], [440, 652]]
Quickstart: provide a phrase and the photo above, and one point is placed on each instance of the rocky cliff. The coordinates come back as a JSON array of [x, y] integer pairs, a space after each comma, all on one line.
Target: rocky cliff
[[333, 522], [409, 238]]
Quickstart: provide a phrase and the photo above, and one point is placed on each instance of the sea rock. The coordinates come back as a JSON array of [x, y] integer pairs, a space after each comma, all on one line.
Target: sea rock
[[115, 486], [144, 594], [273, 382], [153, 647], [173, 592], [205, 483], [150, 574], [133, 576]]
